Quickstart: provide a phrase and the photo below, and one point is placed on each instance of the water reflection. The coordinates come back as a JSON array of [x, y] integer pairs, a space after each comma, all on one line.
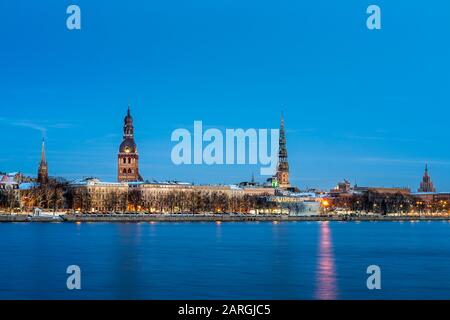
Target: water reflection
[[128, 257], [218, 231], [326, 272]]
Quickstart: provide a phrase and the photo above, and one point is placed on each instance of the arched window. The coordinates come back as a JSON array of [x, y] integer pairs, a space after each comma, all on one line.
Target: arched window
[[124, 171], [124, 160], [129, 160], [130, 171]]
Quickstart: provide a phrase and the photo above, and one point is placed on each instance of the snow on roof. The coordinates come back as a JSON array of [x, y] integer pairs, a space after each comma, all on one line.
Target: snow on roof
[[135, 183], [427, 193], [162, 182], [94, 182], [27, 185], [303, 194], [7, 179]]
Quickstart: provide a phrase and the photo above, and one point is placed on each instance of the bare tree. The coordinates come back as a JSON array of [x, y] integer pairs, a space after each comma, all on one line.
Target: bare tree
[[135, 199]]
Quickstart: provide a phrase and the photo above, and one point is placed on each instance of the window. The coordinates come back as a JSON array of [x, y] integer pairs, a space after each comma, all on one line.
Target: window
[[130, 171], [129, 160], [124, 170], [124, 160]]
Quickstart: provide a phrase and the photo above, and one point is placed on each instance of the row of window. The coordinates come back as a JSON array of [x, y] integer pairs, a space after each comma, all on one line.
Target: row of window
[[129, 171], [125, 160]]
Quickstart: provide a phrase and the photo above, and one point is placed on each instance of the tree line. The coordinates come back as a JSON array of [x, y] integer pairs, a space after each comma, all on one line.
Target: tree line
[[57, 195], [384, 203], [170, 202]]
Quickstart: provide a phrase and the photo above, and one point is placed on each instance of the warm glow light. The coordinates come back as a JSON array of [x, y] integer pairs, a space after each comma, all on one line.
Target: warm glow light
[[326, 286], [325, 203]]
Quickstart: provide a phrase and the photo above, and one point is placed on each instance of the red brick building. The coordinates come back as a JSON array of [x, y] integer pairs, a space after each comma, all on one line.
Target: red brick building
[[128, 157]]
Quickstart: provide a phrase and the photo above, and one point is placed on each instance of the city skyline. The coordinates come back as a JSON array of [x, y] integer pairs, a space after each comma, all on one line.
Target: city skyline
[[128, 148], [363, 113]]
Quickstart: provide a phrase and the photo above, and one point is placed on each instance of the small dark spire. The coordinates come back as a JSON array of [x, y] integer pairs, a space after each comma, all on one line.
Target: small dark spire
[[43, 151], [42, 177], [426, 185], [128, 128], [282, 138]]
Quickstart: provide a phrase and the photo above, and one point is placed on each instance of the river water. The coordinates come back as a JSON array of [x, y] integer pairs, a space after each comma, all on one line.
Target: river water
[[235, 260]]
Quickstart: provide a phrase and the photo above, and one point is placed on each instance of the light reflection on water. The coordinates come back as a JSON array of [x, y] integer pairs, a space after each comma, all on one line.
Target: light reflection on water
[[326, 288]]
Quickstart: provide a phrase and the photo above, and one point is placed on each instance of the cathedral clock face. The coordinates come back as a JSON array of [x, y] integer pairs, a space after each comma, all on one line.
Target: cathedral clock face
[[127, 150]]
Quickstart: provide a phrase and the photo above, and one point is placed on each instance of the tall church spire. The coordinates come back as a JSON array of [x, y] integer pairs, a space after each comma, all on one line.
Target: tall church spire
[[282, 140], [43, 167], [283, 165], [43, 152]]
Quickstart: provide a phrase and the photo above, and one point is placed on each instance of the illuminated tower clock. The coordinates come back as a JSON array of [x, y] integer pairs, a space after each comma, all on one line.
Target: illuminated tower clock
[[128, 157]]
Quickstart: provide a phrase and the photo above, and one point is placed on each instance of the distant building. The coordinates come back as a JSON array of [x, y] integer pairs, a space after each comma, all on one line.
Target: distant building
[[426, 185], [42, 176], [432, 197], [251, 183], [341, 187], [380, 193], [128, 157], [258, 190], [9, 181], [255, 188], [91, 194], [282, 175], [9, 190]]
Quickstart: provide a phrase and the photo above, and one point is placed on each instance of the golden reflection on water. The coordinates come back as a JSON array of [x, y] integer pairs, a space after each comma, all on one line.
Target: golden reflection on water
[[218, 231], [326, 288]]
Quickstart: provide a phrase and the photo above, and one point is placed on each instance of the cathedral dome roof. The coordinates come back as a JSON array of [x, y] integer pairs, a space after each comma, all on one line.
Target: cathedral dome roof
[[128, 146]]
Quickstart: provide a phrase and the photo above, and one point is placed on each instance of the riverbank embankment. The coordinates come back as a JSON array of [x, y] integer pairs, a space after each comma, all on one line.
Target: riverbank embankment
[[211, 218]]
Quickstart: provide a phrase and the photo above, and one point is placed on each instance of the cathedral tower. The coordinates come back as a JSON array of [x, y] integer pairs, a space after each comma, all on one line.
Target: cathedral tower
[[43, 167], [426, 185], [128, 158], [282, 175]]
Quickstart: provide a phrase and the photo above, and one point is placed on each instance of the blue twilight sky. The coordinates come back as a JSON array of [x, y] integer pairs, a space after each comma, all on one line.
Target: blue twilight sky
[[369, 106]]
